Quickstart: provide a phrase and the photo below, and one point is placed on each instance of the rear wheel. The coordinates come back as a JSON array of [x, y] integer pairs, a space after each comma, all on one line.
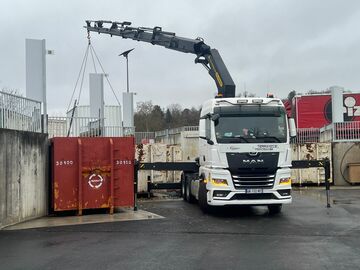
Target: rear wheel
[[183, 186], [274, 209]]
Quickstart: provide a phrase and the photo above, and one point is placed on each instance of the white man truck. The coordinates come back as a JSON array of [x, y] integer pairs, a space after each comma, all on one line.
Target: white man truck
[[244, 152]]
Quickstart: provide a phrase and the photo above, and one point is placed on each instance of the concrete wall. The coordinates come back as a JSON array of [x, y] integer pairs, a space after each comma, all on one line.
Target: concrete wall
[[23, 176], [343, 154]]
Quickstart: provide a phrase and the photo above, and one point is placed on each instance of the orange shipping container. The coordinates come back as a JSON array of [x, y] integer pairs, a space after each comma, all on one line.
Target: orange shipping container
[[89, 173]]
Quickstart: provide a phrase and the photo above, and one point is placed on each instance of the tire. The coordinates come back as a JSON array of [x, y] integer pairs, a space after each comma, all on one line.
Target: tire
[[274, 209], [183, 187], [189, 197], [204, 206]]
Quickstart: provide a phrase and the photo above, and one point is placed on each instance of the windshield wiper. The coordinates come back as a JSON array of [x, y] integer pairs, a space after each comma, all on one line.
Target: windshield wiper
[[269, 137]]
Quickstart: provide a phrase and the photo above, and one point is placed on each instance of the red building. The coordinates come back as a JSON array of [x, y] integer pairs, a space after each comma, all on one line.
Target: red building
[[314, 111]]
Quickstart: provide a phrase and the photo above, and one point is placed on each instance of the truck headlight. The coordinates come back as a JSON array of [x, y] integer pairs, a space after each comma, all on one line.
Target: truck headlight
[[285, 181], [219, 182]]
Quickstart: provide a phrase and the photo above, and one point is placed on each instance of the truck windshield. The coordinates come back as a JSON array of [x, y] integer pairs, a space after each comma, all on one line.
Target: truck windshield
[[250, 124]]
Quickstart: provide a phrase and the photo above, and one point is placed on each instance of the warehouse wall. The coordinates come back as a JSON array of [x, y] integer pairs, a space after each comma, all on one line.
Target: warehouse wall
[[23, 176]]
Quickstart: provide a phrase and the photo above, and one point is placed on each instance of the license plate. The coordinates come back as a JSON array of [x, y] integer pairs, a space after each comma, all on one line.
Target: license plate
[[253, 191]]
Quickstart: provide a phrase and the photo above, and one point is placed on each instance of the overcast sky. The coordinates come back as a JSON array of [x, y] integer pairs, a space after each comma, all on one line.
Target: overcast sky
[[267, 45]]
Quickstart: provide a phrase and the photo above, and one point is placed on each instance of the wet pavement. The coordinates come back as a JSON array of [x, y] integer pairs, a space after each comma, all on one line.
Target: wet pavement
[[55, 221], [306, 235]]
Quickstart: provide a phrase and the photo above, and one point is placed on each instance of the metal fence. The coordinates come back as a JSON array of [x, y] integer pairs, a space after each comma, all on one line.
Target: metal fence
[[307, 135], [341, 132], [84, 127], [19, 113], [173, 131], [141, 137]]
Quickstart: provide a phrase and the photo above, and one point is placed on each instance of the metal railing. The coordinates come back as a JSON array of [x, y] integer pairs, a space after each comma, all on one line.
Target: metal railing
[[19, 113], [341, 132], [84, 127], [173, 131], [307, 135], [346, 131], [141, 136]]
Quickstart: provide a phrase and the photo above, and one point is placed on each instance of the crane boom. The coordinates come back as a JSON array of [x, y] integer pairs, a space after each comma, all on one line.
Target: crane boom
[[208, 57]]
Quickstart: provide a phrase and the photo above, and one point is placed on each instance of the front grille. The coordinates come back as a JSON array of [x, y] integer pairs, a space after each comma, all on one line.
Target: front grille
[[253, 181], [263, 196]]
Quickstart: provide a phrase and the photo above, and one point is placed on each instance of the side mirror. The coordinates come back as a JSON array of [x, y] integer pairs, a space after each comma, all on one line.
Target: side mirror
[[292, 127], [197, 161], [211, 142], [215, 117]]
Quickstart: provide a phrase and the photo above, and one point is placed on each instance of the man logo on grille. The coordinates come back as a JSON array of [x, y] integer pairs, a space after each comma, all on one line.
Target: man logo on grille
[[95, 181]]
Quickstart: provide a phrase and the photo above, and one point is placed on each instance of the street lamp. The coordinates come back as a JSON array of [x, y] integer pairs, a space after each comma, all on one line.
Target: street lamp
[[126, 54], [128, 98]]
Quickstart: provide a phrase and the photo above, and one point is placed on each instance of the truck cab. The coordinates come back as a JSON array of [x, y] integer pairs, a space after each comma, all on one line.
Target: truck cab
[[244, 154]]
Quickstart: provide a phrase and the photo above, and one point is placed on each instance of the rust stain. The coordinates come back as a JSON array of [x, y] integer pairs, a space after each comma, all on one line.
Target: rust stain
[[309, 147], [103, 170], [56, 190], [140, 151]]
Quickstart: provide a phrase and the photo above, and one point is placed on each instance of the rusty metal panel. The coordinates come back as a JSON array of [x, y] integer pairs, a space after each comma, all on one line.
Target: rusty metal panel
[[158, 153], [173, 154], [90, 173], [310, 151], [142, 154]]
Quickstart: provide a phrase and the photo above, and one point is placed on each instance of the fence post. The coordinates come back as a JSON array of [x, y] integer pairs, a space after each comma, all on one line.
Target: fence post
[[327, 182], [136, 171]]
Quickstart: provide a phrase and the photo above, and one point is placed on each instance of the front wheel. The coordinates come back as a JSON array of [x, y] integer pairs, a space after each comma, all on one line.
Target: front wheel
[[204, 206], [274, 209], [189, 197]]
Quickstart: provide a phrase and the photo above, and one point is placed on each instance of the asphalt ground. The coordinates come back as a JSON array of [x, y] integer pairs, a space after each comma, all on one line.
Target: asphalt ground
[[306, 235]]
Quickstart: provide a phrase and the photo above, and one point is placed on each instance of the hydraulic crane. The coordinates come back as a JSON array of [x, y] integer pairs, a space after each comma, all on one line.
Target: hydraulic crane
[[205, 55], [234, 167]]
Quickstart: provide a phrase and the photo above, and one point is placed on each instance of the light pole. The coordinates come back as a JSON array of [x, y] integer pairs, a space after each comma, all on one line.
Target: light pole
[[128, 100], [126, 54]]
